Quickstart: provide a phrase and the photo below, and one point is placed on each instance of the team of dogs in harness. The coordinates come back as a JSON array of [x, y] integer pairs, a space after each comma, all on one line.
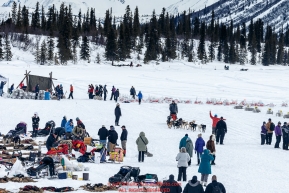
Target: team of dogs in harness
[[182, 124]]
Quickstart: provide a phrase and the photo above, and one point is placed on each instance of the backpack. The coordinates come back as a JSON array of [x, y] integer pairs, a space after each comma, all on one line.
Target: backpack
[[272, 127], [217, 189]]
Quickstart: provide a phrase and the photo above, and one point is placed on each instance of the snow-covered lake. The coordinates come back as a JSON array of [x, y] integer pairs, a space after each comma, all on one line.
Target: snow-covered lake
[[242, 164]]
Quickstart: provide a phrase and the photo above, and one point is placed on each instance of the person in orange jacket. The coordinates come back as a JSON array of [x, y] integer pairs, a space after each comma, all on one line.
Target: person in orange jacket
[[71, 92], [215, 121]]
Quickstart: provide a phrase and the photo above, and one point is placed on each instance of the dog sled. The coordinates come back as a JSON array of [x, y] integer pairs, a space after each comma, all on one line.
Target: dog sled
[[49, 127]]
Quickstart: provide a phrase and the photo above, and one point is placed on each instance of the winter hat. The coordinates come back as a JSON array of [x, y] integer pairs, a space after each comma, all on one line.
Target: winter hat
[[222, 118], [112, 127], [103, 125], [215, 115], [171, 177], [36, 113], [123, 126], [200, 135], [188, 139], [64, 117], [77, 119], [70, 120], [117, 104], [186, 135], [194, 179], [264, 122], [279, 123], [285, 123]]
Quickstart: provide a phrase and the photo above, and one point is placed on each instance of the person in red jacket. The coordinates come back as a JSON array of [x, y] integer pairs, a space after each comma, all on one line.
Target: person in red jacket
[[71, 92], [79, 145], [215, 121]]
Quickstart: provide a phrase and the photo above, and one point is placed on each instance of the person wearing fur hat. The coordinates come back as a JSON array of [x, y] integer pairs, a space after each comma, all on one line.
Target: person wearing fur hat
[[117, 113], [199, 147], [285, 132], [205, 166], [211, 146], [183, 158], [194, 186], [35, 124], [171, 186], [189, 149]]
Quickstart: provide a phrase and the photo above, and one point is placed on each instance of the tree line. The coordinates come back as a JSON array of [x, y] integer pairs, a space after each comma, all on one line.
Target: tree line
[[162, 38]]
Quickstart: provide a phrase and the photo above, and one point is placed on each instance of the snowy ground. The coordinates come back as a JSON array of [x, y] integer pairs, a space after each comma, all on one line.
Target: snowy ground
[[243, 165]]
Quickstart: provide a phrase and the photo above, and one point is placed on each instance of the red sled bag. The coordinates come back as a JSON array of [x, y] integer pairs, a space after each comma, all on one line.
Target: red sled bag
[[174, 116]]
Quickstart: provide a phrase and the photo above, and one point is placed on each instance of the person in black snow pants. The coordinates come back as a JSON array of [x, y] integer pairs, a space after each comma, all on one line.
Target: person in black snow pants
[[132, 92], [104, 92], [116, 95], [221, 129], [117, 113], [36, 90], [285, 132], [35, 124], [112, 92]]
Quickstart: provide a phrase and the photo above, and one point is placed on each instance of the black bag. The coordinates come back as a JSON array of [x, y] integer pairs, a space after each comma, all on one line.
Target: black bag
[[272, 127], [135, 172], [116, 179], [32, 156], [217, 189], [82, 158]]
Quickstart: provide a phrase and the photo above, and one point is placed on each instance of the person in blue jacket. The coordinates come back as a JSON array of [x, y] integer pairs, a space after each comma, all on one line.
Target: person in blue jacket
[[199, 147], [183, 142], [63, 122], [139, 97], [11, 89], [205, 166], [68, 128]]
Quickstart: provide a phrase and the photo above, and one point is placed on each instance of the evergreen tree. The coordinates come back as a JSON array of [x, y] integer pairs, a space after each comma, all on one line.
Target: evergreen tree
[[43, 19], [111, 46], [253, 49], [242, 56], [37, 52], [220, 51], [121, 43], [75, 33], [84, 52], [285, 58], [1, 49], [74, 54], [19, 18], [50, 49], [226, 52], [64, 39], [211, 52], [280, 53], [7, 49], [14, 13], [153, 48], [201, 48], [136, 23], [266, 54], [107, 23], [98, 60], [196, 27], [35, 23], [25, 17], [243, 36], [43, 53]]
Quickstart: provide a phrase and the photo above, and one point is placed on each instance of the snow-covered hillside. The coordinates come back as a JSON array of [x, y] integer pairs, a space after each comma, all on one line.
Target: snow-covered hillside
[[243, 165]]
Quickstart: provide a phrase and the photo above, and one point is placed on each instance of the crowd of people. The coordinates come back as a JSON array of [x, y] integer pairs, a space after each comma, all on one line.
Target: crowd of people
[[267, 130]]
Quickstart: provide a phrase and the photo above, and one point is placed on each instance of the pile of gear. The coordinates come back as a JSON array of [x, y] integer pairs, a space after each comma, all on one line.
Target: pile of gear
[[35, 189], [21, 94], [19, 178], [98, 188]]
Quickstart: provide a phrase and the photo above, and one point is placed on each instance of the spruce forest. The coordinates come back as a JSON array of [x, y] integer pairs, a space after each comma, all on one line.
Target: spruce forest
[[163, 38]]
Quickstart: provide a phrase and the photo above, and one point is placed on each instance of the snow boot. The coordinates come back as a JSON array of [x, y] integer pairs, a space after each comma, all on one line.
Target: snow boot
[[124, 152], [198, 161]]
